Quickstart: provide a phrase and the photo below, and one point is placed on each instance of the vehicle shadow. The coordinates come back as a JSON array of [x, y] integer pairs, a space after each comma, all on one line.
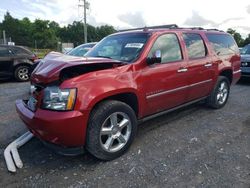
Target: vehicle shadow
[[244, 81], [41, 159]]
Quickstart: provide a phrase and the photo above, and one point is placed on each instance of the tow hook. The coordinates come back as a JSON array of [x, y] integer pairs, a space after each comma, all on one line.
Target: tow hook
[[11, 154]]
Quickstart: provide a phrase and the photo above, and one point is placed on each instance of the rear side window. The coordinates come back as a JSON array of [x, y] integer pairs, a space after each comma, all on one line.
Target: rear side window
[[169, 46], [222, 44], [4, 52], [195, 45]]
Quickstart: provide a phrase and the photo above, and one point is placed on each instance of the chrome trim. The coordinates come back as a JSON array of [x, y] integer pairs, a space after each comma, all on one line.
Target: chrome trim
[[208, 65], [235, 72], [177, 89], [182, 70]]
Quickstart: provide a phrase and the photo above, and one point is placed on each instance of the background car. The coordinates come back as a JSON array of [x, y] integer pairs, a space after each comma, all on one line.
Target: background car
[[245, 61], [82, 49], [15, 61]]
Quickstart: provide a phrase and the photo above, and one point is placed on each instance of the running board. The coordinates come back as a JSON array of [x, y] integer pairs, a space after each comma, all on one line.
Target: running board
[[11, 154], [170, 110]]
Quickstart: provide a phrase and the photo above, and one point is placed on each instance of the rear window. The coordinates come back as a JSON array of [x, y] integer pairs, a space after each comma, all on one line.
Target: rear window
[[223, 44]]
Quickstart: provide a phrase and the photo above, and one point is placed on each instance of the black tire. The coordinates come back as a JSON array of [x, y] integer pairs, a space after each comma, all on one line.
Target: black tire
[[99, 119], [220, 93], [22, 73]]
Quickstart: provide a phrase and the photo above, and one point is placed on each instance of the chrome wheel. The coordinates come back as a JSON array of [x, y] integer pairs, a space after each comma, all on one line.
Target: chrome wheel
[[222, 93], [23, 73], [115, 132]]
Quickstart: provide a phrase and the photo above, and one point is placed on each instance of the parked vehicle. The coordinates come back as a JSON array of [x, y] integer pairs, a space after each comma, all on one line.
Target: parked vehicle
[[245, 61], [129, 77], [82, 49], [15, 61]]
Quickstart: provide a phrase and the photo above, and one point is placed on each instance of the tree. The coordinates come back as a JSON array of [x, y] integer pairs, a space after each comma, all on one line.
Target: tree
[[247, 40], [237, 37]]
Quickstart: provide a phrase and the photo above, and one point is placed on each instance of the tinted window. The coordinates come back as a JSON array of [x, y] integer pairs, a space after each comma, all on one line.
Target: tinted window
[[20, 51], [4, 52], [195, 45], [169, 46], [223, 44], [245, 50]]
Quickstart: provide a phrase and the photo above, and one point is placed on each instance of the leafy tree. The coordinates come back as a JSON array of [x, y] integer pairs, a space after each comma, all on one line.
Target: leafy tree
[[247, 40], [237, 36]]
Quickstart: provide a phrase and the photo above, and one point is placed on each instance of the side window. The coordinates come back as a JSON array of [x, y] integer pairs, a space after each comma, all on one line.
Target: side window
[[195, 45], [169, 46], [4, 52], [20, 51], [223, 44]]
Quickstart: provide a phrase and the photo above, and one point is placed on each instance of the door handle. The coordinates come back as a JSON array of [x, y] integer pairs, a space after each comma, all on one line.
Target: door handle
[[208, 65], [182, 70]]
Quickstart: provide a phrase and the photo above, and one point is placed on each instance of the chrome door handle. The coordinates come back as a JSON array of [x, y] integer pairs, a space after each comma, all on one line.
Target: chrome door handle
[[182, 70], [208, 65]]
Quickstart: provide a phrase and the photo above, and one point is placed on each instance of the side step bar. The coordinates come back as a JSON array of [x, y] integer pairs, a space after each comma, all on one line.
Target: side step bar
[[11, 154]]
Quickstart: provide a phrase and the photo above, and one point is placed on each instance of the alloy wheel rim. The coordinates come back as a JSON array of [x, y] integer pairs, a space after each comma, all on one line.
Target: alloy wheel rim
[[222, 93], [23, 73], [115, 132]]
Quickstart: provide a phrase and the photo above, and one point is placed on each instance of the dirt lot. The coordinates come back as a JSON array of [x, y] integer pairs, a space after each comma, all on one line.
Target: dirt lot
[[193, 147]]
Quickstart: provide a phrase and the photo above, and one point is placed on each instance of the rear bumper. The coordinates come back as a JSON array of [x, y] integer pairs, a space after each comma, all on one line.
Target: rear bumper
[[66, 129]]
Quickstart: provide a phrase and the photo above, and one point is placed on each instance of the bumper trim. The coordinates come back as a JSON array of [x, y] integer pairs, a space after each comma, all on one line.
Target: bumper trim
[[66, 151]]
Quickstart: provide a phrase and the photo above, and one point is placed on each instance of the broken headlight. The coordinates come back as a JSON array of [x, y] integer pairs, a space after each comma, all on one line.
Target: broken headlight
[[59, 99]]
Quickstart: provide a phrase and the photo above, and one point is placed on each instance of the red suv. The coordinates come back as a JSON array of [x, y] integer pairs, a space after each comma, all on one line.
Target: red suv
[[95, 102]]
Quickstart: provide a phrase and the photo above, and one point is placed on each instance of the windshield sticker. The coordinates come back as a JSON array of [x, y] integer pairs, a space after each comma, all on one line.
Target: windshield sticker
[[134, 45]]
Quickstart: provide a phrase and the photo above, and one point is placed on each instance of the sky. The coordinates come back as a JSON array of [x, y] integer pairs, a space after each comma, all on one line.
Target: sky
[[220, 14]]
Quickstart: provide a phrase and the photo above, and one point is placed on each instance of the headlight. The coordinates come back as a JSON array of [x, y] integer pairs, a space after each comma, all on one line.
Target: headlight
[[59, 99]]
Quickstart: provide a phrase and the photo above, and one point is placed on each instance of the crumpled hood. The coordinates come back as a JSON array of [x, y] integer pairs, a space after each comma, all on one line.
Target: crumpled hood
[[48, 70]]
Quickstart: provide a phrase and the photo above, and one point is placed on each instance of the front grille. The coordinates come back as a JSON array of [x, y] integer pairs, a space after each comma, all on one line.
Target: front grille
[[245, 64]]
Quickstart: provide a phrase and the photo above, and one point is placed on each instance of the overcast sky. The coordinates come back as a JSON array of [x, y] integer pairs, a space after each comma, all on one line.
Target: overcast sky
[[220, 14]]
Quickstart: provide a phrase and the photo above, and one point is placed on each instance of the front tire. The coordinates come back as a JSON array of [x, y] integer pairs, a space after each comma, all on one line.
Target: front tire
[[219, 96], [111, 129], [22, 73]]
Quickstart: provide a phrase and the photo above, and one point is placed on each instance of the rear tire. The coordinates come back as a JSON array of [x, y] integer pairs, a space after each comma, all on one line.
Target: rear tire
[[22, 73], [111, 129], [219, 96]]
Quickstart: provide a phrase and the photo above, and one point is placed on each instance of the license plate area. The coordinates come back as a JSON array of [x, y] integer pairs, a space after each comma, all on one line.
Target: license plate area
[[32, 102]]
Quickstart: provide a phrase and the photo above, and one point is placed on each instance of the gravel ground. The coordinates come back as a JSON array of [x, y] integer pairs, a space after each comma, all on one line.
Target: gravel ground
[[192, 147]]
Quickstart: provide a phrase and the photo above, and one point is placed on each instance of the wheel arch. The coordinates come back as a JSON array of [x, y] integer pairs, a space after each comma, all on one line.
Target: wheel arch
[[228, 73]]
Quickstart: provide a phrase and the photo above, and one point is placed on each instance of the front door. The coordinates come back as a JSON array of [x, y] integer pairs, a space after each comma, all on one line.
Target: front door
[[165, 83]]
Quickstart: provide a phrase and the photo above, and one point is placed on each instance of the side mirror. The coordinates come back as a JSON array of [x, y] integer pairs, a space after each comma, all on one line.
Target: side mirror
[[155, 59]]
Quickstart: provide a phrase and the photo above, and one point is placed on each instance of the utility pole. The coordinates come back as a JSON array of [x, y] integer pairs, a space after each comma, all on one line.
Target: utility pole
[[4, 37], [85, 6]]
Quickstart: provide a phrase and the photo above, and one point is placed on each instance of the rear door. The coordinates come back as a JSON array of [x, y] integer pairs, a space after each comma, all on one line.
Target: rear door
[[165, 83], [6, 61], [201, 69]]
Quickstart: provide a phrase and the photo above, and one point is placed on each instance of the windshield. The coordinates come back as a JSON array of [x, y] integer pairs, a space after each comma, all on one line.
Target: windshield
[[122, 47], [245, 50], [81, 50]]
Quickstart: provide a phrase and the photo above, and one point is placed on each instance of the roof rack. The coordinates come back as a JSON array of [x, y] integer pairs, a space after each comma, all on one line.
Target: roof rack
[[170, 26]]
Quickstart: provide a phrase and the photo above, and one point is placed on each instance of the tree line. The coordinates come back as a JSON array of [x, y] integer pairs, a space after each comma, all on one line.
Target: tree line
[[47, 34]]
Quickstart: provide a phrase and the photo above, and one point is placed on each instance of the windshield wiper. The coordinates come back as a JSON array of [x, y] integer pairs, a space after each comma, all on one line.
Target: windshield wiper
[[103, 56]]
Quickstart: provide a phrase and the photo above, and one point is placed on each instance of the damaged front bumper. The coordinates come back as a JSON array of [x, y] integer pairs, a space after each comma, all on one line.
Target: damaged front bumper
[[67, 129]]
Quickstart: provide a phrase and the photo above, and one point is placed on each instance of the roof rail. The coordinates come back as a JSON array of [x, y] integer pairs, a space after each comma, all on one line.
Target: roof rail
[[152, 27]]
